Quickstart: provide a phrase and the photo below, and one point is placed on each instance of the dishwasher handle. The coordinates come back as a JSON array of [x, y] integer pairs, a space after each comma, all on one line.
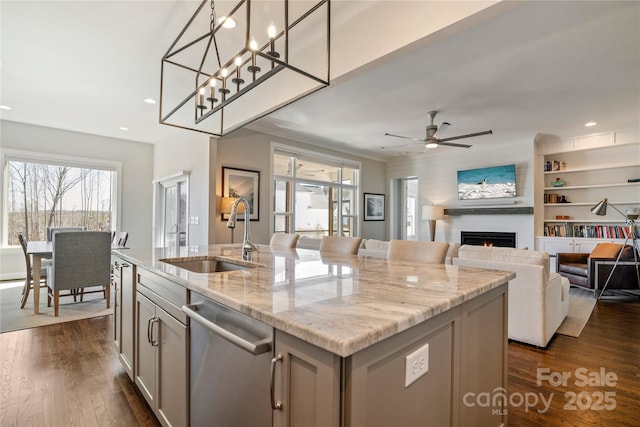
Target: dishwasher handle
[[258, 347]]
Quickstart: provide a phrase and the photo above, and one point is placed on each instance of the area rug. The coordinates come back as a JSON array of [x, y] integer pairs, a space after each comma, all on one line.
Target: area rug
[[581, 303], [13, 318]]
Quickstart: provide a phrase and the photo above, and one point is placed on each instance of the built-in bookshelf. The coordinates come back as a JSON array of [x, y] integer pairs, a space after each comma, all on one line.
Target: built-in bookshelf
[[577, 174]]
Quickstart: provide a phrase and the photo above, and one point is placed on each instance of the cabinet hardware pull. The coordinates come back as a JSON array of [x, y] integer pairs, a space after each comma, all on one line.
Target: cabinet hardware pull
[[154, 341], [116, 298], [276, 406], [149, 329], [124, 265]]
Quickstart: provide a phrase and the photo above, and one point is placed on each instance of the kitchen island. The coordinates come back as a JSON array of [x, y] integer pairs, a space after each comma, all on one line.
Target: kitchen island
[[348, 331]]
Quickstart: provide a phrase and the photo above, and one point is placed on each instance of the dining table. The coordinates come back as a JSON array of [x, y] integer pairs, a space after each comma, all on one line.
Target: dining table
[[39, 250]]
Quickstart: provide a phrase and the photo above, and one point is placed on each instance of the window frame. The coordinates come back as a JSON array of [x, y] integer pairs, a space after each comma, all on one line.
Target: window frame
[[7, 155], [283, 149]]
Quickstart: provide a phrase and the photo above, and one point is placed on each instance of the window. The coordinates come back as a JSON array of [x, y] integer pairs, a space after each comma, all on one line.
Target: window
[[314, 196], [41, 192]]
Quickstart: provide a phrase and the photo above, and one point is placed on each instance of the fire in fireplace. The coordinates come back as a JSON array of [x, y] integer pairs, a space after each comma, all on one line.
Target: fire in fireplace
[[488, 238]]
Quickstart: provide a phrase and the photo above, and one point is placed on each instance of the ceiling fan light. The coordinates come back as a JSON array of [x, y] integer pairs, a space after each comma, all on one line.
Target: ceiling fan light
[[431, 145]]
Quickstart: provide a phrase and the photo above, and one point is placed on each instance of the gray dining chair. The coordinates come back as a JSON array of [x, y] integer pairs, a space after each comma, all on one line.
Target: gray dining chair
[[52, 230], [80, 260]]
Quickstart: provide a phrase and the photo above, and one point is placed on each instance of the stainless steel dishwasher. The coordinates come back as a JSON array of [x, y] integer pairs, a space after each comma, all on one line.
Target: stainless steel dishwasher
[[230, 366]]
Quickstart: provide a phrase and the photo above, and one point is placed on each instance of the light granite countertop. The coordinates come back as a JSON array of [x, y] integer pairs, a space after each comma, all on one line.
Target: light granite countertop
[[340, 303]]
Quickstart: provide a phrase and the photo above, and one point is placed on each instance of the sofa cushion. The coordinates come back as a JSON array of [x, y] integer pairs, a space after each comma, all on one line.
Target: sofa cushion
[[511, 255], [606, 250], [574, 268]]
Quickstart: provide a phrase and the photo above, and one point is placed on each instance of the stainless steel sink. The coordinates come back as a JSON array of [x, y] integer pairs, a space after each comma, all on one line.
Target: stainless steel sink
[[206, 264]]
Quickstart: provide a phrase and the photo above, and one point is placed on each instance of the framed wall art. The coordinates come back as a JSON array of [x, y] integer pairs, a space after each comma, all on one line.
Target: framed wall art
[[245, 184], [373, 207]]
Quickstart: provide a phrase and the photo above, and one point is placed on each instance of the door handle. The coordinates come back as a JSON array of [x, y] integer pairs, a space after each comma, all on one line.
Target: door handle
[[275, 405]]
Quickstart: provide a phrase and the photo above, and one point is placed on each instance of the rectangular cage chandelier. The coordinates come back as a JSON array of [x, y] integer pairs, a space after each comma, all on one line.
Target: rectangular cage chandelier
[[235, 62]]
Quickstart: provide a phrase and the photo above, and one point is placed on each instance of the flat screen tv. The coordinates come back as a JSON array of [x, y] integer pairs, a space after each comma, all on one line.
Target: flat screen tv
[[495, 182]]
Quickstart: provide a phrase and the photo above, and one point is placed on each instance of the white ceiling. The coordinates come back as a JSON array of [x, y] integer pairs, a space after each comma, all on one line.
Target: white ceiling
[[539, 67]]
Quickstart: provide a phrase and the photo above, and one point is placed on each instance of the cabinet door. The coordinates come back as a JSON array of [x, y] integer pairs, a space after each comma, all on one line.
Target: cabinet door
[[145, 355], [173, 371], [127, 315], [307, 383]]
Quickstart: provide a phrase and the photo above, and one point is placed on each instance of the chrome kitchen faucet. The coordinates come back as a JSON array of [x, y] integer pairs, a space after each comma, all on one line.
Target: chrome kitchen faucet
[[247, 246]]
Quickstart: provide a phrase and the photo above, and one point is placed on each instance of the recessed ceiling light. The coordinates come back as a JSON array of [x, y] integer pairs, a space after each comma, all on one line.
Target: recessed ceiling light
[[5, 107], [589, 124], [123, 128], [150, 101]]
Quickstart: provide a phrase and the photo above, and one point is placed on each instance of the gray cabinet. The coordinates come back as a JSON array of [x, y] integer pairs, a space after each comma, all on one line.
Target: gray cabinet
[[162, 351], [307, 384], [124, 309], [466, 355]]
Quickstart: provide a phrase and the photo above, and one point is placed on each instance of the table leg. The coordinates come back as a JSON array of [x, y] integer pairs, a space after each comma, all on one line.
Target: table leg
[[37, 265]]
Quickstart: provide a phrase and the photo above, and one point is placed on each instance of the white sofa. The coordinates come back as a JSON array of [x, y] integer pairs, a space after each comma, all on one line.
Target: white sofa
[[538, 298]]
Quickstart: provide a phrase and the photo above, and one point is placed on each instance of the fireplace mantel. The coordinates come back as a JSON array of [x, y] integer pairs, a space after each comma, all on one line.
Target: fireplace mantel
[[520, 210]]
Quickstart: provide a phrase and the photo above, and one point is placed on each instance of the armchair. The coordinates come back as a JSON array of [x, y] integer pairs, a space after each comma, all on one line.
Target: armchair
[[538, 298], [580, 268], [80, 260]]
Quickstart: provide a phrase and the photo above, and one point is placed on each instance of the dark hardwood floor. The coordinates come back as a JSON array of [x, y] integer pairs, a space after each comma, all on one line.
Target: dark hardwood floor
[[611, 342], [69, 375]]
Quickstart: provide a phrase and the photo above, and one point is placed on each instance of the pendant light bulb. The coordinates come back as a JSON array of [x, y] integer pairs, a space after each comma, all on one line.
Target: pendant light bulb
[[271, 31], [224, 73], [238, 61], [227, 22], [253, 45]]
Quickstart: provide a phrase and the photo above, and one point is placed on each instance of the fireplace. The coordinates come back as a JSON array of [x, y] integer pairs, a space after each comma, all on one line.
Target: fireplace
[[488, 238]]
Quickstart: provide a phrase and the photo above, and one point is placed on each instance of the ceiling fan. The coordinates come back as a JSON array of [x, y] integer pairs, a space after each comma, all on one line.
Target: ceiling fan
[[433, 135]]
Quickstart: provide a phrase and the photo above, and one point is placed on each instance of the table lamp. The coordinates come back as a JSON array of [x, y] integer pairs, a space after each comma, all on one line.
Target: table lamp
[[432, 213]]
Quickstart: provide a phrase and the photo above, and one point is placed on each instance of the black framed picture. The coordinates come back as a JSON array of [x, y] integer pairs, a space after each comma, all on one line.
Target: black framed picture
[[242, 183], [373, 207]]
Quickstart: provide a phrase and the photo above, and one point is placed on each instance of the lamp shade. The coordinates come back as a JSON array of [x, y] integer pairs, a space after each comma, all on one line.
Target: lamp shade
[[226, 203], [601, 208], [432, 212]]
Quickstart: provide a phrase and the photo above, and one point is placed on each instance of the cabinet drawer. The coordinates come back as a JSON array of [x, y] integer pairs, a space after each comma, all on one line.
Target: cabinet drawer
[[165, 293]]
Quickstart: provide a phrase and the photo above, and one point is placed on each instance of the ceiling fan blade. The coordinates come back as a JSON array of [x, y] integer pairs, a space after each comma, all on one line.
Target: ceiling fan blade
[[405, 137], [442, 129], [469, 135], [452, 144], [396, 146]]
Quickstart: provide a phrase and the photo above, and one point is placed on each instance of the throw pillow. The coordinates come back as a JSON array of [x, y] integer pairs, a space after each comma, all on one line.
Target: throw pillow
[[606, 250]]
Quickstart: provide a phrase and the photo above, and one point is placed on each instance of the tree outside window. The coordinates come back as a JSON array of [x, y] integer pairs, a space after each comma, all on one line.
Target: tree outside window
[[45, 195]]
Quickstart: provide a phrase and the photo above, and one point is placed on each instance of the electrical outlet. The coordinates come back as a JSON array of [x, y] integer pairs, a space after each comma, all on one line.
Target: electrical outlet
[[416, 365]]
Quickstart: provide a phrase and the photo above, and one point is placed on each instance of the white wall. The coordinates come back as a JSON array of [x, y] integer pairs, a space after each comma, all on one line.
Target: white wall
[[437, 179], [137, 166], [251, 150], [174, 157]]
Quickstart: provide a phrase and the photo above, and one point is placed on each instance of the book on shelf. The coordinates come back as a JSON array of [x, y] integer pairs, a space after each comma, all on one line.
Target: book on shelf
[[588, 231]]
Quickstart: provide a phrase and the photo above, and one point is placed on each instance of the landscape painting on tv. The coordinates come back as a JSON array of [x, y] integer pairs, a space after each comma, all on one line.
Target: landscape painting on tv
[[494, 182]]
